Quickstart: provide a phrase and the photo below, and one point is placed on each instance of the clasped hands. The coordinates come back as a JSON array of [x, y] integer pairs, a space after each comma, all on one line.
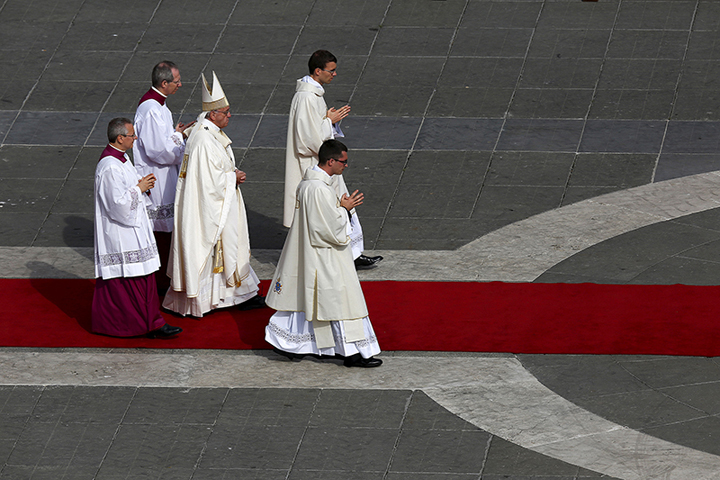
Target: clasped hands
[[352, 201], [337, 114]]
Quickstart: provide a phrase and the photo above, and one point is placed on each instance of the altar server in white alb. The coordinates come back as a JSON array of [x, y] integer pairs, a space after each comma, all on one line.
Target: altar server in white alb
[[125, 302], [159, 150], [210, 259], [320, 306], [310, 124]]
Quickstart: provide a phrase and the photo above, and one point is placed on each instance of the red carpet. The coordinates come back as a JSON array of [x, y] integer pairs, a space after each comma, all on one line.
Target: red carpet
[[477, 317]]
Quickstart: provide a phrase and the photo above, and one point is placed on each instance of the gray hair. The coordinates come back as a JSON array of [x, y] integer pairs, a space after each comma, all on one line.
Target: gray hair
[[117, 127], [162, 72]]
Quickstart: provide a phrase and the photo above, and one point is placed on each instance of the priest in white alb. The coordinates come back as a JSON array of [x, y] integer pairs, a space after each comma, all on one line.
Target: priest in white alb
[[125, 302], [159, 150], [320, 305], [309, 125], [209, 262]]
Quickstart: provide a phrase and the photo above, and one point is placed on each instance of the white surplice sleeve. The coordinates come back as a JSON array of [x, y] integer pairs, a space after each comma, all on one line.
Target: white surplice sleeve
[[159, 147], [121, 203]]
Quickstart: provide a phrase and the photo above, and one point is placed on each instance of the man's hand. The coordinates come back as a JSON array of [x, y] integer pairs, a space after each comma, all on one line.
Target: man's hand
[[239, 176], [352, 201], [147, 182], [335, 115], [181, 127]]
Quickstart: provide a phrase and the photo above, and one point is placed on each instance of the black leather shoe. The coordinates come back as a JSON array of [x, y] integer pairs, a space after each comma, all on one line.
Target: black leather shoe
[[366, 262], [255, 302], [295, 357], [166, 331], [358, 361]]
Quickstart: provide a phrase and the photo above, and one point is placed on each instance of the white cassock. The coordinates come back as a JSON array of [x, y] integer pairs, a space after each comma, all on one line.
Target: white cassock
[[124, 242], [316, 290], [308, 128], [210, 258], [159, 150]]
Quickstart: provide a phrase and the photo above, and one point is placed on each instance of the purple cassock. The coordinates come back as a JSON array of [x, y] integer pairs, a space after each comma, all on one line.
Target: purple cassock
[[126, 307], [125, 301]]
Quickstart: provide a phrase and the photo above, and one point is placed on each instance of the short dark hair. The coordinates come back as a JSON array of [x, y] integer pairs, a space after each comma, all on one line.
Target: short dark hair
[[162, 72], [330, 149], [117, 127], [319, 59]]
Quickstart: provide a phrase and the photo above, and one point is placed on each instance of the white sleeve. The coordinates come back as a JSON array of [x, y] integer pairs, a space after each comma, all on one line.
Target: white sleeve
[[160, 148], [310, 129], [120, 204]]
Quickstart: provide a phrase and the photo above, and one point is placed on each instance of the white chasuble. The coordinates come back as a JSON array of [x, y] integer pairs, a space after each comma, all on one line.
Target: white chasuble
[[316, 274], [308, 128], [211, 233]]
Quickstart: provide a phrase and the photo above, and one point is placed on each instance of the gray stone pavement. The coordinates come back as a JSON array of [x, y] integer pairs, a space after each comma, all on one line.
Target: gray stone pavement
[[549, 141]]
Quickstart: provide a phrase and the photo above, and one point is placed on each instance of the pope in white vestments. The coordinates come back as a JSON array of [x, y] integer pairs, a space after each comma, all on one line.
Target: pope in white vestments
[[321, 307], [210, 257]]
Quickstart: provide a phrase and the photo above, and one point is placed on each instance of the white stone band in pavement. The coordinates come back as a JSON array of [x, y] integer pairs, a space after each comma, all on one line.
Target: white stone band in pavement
[[496, 394], [519, 252], [522, 251]]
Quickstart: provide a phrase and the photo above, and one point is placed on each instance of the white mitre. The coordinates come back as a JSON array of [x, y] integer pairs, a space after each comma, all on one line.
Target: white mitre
[[213, 97]]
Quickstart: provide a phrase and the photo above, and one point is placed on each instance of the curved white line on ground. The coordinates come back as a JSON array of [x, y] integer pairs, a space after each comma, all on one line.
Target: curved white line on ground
[[494, 393], [524, 250], [519, 252]]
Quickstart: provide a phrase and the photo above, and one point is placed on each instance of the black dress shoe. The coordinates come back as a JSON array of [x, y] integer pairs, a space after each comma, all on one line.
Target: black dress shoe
[[358, 361], [366, 262], [166, 331], [255, 302], [289, 355]]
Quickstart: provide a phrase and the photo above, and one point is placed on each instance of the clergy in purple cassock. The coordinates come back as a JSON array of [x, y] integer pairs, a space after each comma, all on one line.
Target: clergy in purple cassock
[[125, 301]]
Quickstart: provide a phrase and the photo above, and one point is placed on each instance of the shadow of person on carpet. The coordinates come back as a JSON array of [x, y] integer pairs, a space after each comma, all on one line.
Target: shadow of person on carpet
[[73, 295], [251, 327]]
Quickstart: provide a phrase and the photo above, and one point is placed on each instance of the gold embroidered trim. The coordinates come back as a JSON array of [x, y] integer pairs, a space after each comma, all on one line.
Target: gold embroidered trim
[[218, 265], [209, 106], [183, 168]]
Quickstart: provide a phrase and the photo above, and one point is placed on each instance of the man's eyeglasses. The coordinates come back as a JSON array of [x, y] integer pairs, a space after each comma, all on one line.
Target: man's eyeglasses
[[333, 71], [125, 135], [344, 162]]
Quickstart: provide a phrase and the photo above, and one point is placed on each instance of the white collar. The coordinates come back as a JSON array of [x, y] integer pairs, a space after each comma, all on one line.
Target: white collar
[[158, 91], [113, 146], [318, 169], [312, 81]]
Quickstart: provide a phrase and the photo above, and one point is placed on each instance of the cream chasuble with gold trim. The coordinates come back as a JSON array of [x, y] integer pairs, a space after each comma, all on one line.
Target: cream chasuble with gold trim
[[210, 218]]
